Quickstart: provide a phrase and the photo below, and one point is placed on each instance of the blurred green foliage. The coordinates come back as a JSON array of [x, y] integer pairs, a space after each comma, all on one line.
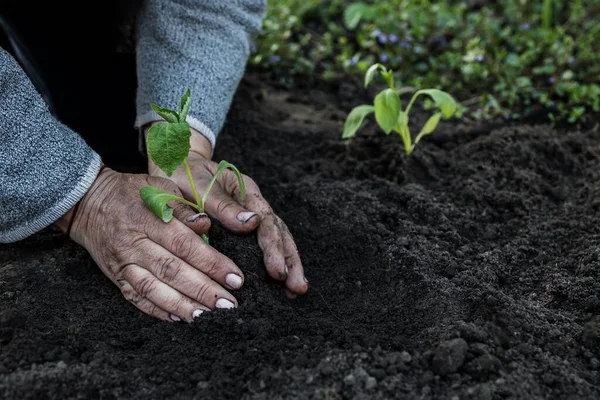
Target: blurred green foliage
[[508, 58]]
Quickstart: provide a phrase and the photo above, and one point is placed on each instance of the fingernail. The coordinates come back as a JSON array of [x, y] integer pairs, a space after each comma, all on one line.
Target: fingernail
[[174, 317], [305, 280], [224, 303], [197, 313], [195, 217], [245, 216], [233, 281], [283, 276]]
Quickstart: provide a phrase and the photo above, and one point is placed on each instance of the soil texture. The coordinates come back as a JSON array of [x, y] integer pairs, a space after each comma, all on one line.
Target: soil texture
[[467, 271]]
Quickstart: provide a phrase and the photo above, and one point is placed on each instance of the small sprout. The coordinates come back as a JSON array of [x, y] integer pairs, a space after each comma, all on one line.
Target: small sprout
[[389, 114], [168, 147]]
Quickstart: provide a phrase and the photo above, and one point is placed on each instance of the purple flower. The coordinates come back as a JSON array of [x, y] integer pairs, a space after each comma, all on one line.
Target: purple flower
[[418, 49], [354, 60], [384, 57], [552, 104], [479, 58], [571, 60], [409, 38], [525, 26], [382, 39], [274, 59], [376, 33], [393, 38], [404, 45], [551, 80], [440, 40], [398, 59], [506, 116]]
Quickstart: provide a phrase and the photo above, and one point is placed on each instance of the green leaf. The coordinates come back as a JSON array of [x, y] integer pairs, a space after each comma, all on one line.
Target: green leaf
[[371, 73], [429, 126], [223, 165], [523, 82], [513, 60], [156, 200], [166, 114], [355, 120], [387, 109], [169, 145], [547, 69], [184, 105], [443, 100], [353, 14]]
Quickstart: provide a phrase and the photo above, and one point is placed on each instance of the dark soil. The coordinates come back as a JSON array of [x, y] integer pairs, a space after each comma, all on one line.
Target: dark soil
[[469, 271]]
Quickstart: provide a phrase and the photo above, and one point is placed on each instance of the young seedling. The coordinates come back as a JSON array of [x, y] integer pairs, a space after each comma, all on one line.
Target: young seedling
[[389, 114], [168, 147]]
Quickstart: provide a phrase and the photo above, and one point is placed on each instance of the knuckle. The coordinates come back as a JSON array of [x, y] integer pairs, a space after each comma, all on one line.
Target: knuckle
[[180, 209], [146, 285], [175, 304], [130, 295], [168, 269], [151, 309], [135, 217], [182, 245], [201, 291], [212, 266], [223, 206]]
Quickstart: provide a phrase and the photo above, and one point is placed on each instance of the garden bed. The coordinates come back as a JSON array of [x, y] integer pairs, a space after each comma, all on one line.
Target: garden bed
[[469, 271]]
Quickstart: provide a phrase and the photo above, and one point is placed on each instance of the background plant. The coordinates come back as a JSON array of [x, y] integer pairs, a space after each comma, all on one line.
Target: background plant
[[387, 107], [529, 56]]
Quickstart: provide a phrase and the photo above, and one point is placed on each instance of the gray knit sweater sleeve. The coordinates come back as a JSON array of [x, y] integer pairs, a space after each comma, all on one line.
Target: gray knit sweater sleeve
[[198, 44], [45, 167]]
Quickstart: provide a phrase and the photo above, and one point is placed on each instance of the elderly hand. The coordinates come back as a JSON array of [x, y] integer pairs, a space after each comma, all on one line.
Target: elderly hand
[[166, 270], [223, 203]]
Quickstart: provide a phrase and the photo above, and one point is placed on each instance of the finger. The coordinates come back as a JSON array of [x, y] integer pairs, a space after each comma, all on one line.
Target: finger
[[197, 222], [141, 303], [222, 206], [182, 243], [148, 287], [186, 279], [270, 241], [296, 282], [269, 235]]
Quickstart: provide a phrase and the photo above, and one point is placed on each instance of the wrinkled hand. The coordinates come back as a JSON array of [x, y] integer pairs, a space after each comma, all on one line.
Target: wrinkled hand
[[223, 203], [166, 270]]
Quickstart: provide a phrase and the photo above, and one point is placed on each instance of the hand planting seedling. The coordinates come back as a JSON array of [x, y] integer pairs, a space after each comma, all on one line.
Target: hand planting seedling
[[389, 114], [168, 147]]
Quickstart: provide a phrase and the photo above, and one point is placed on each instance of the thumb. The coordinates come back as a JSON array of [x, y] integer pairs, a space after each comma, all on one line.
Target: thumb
[[229, 212], [198, 222]]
